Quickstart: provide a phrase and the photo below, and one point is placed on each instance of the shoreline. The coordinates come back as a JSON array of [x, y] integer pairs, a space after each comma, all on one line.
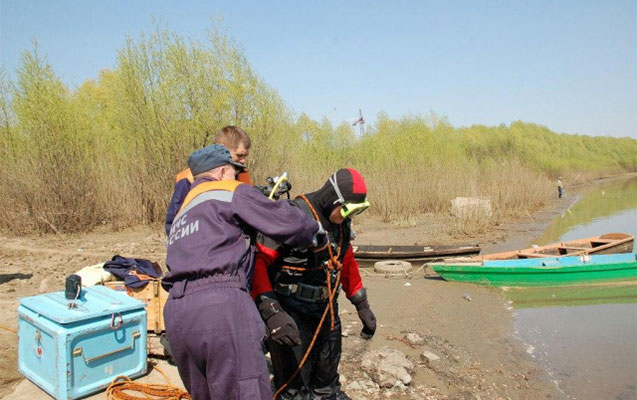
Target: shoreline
[[477, 333], [480, 355]]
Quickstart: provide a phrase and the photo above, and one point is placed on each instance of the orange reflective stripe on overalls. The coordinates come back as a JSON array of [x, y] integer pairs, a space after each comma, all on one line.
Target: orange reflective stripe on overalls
[[228, 186], [185, 174], [243, 177]]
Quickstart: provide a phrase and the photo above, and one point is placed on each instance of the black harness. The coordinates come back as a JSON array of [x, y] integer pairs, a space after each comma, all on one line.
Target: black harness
[[300, 272]]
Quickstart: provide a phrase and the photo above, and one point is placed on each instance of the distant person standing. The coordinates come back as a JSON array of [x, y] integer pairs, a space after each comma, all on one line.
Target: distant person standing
[[238, 142], [560, 188]]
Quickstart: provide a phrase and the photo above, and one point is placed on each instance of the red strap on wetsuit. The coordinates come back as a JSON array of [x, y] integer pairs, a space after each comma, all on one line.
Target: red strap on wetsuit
[[260, 280], [350, 274]]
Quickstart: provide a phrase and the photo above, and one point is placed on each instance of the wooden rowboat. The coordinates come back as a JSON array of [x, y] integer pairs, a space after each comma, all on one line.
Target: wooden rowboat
[[610, 243], [541, 271], [370, 254]]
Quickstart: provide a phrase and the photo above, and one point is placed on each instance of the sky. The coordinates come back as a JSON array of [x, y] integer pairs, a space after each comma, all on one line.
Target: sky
[[568, 65]]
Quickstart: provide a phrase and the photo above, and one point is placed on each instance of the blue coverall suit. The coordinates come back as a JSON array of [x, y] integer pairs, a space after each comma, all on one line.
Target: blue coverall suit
[[212, 324]]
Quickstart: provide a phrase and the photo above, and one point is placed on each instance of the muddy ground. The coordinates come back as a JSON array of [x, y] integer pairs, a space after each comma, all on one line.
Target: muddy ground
[[479, 358]]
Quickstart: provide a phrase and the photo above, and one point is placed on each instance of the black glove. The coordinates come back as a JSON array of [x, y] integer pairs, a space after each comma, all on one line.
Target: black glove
[[282, 327], [367, 318]]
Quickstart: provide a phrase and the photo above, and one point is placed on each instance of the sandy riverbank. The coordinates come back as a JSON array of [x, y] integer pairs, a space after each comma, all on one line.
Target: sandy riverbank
[[474, 339]]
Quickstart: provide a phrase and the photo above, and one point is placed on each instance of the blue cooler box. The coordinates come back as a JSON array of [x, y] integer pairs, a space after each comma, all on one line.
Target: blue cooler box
[[71, 352]]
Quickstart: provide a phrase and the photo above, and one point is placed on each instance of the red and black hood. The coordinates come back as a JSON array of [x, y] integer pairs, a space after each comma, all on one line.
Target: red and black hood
[[350, 184]]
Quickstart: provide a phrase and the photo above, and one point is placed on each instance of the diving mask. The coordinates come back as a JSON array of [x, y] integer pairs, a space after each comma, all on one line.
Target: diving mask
[[351, 209], [347, 209]]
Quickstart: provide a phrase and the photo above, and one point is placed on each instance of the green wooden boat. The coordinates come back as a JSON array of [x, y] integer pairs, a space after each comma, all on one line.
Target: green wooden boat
[[541, 271]]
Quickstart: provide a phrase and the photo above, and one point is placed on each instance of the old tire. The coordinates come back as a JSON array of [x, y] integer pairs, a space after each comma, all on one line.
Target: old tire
[[392, 267]]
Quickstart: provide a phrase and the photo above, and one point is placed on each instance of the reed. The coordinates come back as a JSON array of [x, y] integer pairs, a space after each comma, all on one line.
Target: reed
[[107, 151]]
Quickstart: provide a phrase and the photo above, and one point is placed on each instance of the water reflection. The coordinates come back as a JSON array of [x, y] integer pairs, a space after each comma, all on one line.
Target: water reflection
[[568, 296], [590, 351], [594, 214], [586, 336]]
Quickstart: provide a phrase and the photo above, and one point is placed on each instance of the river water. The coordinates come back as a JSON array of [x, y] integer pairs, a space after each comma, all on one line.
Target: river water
[[586, 336]]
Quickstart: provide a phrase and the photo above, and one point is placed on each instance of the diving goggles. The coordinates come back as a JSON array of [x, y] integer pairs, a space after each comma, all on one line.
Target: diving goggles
[[351, 209], [347, 209]]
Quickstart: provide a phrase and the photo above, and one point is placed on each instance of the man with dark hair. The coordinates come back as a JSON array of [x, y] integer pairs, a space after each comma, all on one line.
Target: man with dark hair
[[296, 291], [237, 141], [212, 325]]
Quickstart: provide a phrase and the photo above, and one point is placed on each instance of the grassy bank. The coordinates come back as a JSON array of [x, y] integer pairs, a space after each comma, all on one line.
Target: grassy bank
[[107, 151]]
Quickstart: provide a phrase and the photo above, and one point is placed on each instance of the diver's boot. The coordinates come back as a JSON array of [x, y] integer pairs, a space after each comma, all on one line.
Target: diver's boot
[[332, 391], [292, 394]]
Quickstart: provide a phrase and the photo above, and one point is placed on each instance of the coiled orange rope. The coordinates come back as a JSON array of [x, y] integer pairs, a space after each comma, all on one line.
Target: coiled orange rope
[[122, 386]]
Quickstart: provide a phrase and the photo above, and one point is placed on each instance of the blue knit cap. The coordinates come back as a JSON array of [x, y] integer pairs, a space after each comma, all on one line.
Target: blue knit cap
[[211, 157]]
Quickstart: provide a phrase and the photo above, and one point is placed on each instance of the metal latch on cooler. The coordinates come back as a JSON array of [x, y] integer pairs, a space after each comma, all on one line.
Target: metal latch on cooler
[[79, 351]]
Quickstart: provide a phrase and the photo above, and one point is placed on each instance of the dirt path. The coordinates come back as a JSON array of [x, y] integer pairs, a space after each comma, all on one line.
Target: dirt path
[[479, 357]]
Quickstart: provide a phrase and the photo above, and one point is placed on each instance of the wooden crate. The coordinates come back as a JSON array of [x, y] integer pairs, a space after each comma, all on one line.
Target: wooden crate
[[153, 295], [154, 347]]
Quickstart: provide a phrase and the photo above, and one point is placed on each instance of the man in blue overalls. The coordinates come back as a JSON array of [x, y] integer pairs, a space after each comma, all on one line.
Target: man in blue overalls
[[213, 327]]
